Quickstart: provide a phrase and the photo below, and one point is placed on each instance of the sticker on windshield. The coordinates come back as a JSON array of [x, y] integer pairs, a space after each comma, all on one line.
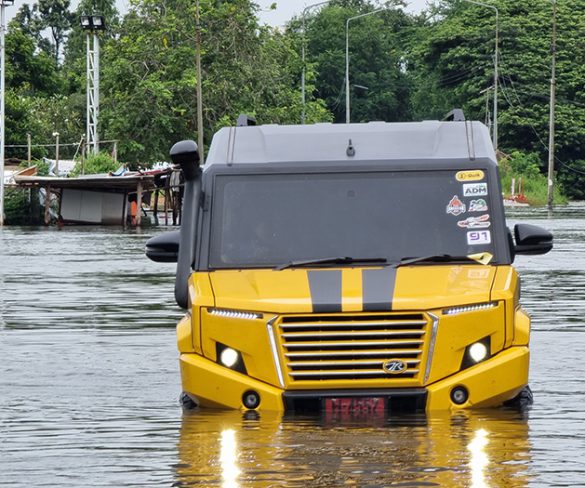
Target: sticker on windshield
[[475, 190], [471, 175], [455, 206], [479, 205], [478, 237], [481, 222]]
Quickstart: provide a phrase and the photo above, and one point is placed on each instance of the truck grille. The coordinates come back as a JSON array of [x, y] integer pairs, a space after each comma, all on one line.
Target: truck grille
[[342, 347]]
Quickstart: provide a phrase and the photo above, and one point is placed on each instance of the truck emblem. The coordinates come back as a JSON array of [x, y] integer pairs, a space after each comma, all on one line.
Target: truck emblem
[[394, 366]]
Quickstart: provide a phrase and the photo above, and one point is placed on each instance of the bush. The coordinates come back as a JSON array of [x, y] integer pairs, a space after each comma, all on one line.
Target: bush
[[530, 182], [95, 164], [21, 206]]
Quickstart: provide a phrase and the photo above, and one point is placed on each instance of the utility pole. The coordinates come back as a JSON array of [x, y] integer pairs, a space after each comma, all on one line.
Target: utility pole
[[200, 139], [551, 133]]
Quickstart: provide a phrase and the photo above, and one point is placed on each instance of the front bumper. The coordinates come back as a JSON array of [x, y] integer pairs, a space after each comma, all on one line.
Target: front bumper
[[489, 384]]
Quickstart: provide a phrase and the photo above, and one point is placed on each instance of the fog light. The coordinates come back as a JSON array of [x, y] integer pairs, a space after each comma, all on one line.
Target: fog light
[[228, 357], [478, 352], [459, 395], [251, 399]]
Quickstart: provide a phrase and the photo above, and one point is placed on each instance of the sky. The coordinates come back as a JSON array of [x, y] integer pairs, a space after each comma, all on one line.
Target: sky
[[286, 9]]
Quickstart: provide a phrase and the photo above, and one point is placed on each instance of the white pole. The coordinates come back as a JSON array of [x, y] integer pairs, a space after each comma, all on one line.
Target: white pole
[[347, 97], [551, 133], [496, 79], [96, 87], [303, 42], [2, 128], [88, 95]]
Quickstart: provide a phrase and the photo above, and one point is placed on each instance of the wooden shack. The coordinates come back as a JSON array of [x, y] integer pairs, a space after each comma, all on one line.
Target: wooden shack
[[92, 199]]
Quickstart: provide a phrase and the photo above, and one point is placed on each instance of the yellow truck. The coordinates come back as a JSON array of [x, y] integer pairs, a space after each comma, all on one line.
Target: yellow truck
[[357, 269]]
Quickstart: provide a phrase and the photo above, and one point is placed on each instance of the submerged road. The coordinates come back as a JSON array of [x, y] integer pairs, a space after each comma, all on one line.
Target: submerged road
[[89, 384]]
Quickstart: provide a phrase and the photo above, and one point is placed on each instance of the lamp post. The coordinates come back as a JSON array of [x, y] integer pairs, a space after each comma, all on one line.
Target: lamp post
[[3, 5], [551, 132], [92, 25], [303, 42], [495, 127], [56, 136], [347, 97]]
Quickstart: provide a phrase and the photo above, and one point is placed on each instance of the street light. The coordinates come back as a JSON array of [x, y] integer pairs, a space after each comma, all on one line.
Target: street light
[[92, 25], [303, 17], [347, 97], [495, 128], [3, 5]]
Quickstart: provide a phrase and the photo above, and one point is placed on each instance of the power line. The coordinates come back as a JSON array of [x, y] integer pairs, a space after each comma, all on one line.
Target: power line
[[544, 145]]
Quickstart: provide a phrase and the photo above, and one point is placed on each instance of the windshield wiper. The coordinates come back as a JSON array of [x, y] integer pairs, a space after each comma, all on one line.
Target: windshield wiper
[[337, 260], [480, 258]]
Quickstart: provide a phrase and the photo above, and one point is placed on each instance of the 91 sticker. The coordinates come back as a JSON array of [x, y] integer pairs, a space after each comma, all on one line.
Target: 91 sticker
[[477, 237]]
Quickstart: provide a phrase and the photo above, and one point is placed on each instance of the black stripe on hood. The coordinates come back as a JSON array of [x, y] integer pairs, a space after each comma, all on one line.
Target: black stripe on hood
[[378, 289], [325, 289]]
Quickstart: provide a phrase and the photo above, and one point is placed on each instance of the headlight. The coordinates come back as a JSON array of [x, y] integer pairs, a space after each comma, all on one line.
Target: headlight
[[234, 314], [476, 352], [230, 358], [469, 308]]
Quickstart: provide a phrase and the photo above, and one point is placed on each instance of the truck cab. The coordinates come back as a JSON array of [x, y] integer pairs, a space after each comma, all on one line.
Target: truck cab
[[348, 268]]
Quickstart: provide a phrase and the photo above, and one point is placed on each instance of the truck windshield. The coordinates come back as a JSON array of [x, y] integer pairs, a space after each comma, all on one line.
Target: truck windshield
[[271, 220]]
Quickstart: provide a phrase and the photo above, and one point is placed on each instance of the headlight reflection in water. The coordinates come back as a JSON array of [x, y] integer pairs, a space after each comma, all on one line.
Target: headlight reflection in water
[[479, 459], [229, 459]]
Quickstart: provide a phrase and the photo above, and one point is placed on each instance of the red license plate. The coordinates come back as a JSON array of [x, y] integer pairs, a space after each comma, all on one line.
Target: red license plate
[[356, 406]]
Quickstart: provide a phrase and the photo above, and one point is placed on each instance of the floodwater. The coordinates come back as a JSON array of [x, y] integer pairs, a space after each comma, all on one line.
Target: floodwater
[[89, 383]]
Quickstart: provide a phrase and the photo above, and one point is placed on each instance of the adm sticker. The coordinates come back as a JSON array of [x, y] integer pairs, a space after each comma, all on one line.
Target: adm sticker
[[479, 205], [455, 206], [475, 190], [477, 237], [471, 175]]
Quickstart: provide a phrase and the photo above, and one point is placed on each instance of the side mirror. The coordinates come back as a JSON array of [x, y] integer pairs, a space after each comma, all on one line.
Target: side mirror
[[532, 239], [163, 248]]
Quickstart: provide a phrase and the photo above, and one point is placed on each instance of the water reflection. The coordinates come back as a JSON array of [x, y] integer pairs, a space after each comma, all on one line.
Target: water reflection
[[476, 449], [89, 384], [478, 460], [229, 458]]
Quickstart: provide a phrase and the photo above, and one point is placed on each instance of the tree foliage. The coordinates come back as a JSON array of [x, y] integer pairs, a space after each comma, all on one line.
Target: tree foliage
[[453, 64], [379, 89]]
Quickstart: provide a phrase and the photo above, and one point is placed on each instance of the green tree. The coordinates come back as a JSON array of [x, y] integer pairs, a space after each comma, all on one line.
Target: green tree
[[379, 82], [149, 78], [452, 65], [52, 16]]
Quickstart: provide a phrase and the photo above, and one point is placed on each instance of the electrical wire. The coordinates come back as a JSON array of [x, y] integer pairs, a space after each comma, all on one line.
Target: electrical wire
[[504, 87]]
